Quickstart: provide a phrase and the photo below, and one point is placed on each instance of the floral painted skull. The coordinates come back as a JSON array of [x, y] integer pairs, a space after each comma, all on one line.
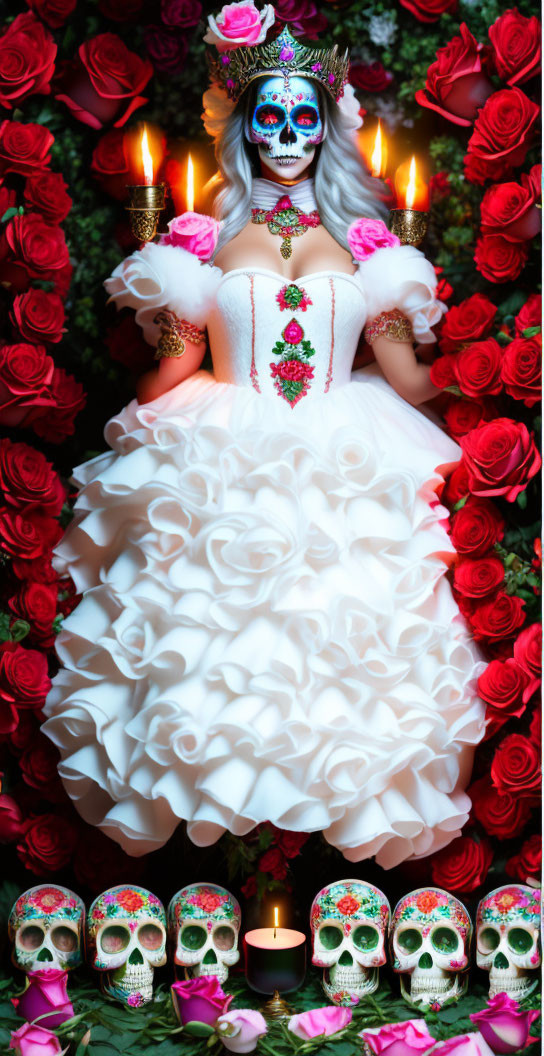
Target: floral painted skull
[[430, 943], [349, 922], [204, 924], [286, 122], [126, 938], [46, 928], [507, 939]]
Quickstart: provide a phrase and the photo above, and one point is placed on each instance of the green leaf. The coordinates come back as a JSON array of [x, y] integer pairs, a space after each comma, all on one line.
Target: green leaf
[[198, 1030], [19, 630], [522, 500], [9, 214], [531, 331], [5, 621]]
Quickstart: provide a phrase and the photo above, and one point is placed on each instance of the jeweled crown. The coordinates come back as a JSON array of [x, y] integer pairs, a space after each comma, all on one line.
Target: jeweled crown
[[285, 56]]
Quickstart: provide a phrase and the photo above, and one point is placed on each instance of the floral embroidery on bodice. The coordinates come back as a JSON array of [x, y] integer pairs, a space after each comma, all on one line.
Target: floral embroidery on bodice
[[291, 340]]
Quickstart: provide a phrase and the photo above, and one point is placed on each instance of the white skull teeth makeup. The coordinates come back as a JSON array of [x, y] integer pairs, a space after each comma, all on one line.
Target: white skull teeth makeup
[[286, 123]]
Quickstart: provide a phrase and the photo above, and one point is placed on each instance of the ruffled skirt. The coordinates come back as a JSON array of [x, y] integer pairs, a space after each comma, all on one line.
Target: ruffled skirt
[[266, 632]]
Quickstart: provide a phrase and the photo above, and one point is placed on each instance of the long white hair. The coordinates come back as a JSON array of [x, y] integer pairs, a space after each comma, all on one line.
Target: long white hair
[[343, 188]]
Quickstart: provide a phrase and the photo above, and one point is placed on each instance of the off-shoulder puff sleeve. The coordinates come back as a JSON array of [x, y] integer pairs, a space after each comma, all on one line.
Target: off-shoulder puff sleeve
[[401, 277], [158, 276]]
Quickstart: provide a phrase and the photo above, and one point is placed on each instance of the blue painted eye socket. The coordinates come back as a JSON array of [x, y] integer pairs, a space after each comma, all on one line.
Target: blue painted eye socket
[[269, 118], [305, 117]]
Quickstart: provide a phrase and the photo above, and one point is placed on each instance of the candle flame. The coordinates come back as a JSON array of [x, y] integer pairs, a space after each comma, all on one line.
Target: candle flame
[[276, 917], [412, 183], [376, 160], [190, 196], [147, 160]]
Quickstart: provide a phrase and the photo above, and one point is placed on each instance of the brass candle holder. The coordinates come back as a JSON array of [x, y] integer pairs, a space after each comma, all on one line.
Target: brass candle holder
[[276, 1007], [146, 204], [409, 225]]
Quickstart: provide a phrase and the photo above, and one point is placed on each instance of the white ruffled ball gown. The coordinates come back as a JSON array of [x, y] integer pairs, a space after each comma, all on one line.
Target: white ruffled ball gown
[[265, 631]]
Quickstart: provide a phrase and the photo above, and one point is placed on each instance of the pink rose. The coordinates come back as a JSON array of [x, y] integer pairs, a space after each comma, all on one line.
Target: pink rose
[[31, 1040], [463, 1045], [239, 24], [398, 1039], [319, 1022], [503, 1024], [240, 1029], [199, 1000], [46, 996], [194, 232], [366, 236]]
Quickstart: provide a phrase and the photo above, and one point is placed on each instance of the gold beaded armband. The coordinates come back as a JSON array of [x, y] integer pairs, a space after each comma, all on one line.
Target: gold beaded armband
[[393, 325], [173, 332]]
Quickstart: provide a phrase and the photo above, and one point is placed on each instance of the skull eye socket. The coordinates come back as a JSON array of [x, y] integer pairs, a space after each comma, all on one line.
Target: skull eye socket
[[224, 937], [330, 937], [150, 936], [304, 117], [114, 938], [445, 940], [365, 937], [409, 940], [519, 940], [64, 939], [488, 940], [269, 118], [193, 936], [31, 937]]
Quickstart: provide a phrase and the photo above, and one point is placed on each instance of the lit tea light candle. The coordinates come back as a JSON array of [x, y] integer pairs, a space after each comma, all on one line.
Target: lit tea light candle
[[275, 958], [411, 189]]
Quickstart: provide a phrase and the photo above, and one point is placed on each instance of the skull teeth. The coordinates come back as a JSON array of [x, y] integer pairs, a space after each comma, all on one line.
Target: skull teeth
[[431, 983], [359, 982]]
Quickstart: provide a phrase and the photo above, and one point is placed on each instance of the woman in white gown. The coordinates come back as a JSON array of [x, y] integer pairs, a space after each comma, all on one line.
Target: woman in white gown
[[266, 632]]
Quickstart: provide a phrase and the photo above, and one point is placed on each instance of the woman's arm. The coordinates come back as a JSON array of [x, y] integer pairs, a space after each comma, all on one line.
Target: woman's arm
[[170, 371], [409, 378]]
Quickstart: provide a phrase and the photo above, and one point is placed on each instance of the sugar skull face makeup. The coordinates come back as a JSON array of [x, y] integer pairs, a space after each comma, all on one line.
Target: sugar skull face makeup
[[286, 124]]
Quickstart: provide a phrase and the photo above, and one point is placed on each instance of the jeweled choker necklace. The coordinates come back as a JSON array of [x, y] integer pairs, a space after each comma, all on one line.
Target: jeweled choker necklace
[[286, 220]]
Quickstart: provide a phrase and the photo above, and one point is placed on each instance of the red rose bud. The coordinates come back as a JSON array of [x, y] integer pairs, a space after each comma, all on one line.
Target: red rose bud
[[503, 132], [499, 260], [27, 60], [476, 527], [530, 315], [104, 81], [516, 47], [429, 10], [526, 864], [516, 766], [467, 322], [477, 578], [501, 457], [501, 814], [462, 865], [499, 618], [24, 147], [521, 370], [457, 85], [46, 193], [478, 368], [528, 654], [456, 485]]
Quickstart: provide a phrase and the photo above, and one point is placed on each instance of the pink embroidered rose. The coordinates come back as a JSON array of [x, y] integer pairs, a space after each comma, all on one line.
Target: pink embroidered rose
[[195, 232], [398, 1039], [504, 1025], [366, 236], [320, 1022], [293, 333], [240, 1029], [292, 370], [239, 24]]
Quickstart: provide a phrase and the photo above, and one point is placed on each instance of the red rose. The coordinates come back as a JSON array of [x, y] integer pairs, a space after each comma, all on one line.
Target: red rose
[[47, 843], [25, 376], [462, 865], [499, 618], [530, 315], [528, 862], [528, 654], [27, 534], [509, 210], [467, 322], [120, 10], [370, 76], [11, 820], [443, 371], [535, 727], [291, 843], [54, 12], [501, 457], [8, 199], [348, 905], [503, 131], [24, 680], [500, 813], [39, 316], [502, 686], [479, 577], [273, 861], [37, 603], [27, 60], [463, 415], [166, 48], [429, 10], [478, 368], [28, 479], [181, 13], [109, 163], [303, 16], [104, 82], [38, 247], [516, 766], [46, 193], [69, 398], [24, 147], [38, 568], [38, 765], [499, 260], [456, 85], [456, 485], [476, 527], [521, 370], [249, 889], [443, 290], [516, 46]]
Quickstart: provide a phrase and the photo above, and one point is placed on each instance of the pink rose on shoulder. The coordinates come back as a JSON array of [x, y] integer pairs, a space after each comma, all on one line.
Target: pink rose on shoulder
[[200, 1000], [463, 1045], [32, 1040], [366, 236], [239, 24], [46, 996], [320, 1022], [504, 1025], [241, 1029], [398, 1039], [195, 232]]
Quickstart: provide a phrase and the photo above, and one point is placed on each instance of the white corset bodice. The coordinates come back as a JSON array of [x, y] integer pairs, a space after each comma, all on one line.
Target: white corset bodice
[[251, 316]]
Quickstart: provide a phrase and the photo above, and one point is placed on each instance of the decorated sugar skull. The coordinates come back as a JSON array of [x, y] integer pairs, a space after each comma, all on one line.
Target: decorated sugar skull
[[286, 122], [46, 928], [430, 945], [507, 939], [349, 921], [126, 939], [204, 924]]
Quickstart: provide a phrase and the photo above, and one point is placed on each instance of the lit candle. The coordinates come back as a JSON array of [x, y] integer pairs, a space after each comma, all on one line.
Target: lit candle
[[411, 190], [275, 958], [190, 197], [147, 160], [378, 159]]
